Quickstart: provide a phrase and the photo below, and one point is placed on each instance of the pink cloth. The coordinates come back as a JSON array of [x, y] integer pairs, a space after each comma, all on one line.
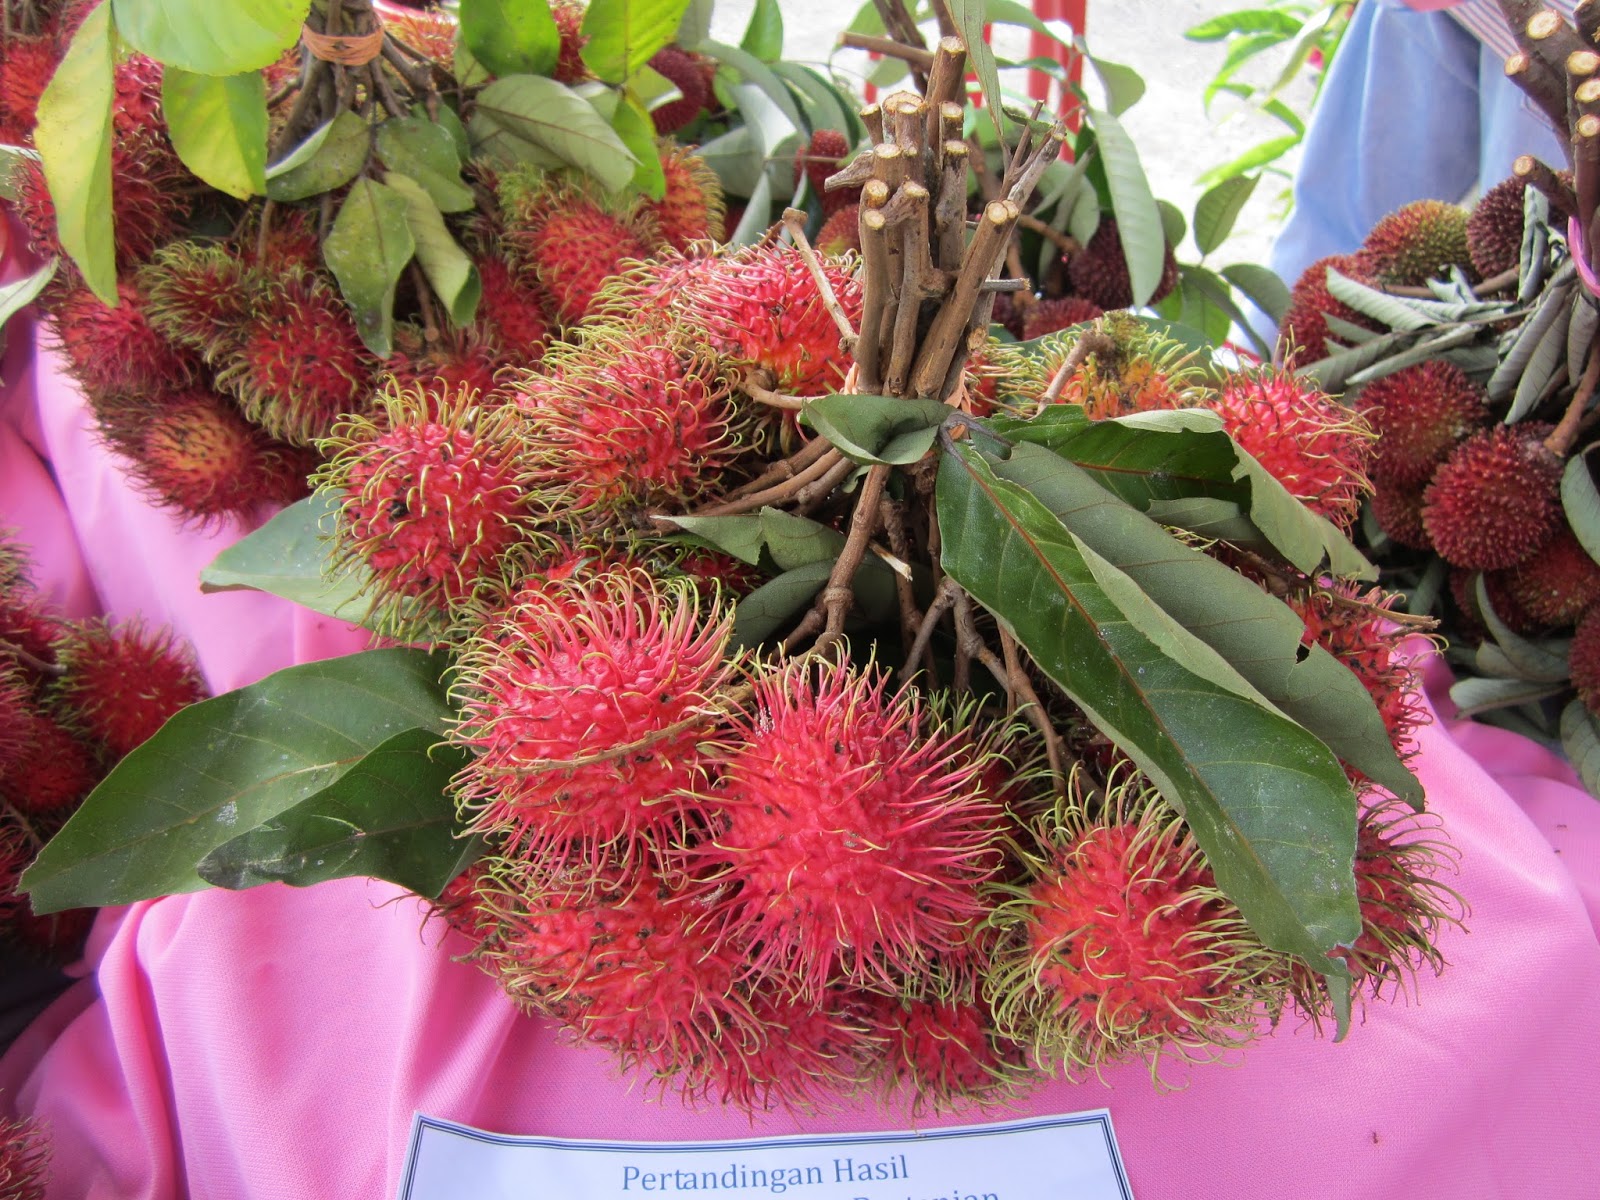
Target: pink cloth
[[275, 1043]]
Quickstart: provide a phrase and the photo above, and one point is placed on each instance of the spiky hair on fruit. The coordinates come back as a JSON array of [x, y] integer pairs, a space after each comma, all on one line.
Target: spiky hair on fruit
[[1313, 445], [1099, 271], [685, 73], [853, 830], [1420, 413], [1494, 229], [121, 683], [114, 349], [16, 712], [198, 295], [298, 363], [1418, 242], [819, 158], [588, 704], [692, 208], [431, 493], [1119, 945], [760, 306], [1496, 500], [1583, 659], [1558, 583], [654, 288], [1128, 368], [1304, 330], [568, 237], [1049, 316], [512, 313], [626, 417], [25, 71], [455, 361], [59, 770], [570, 67], [946, 1054], [1398, 513], [24, 1159]]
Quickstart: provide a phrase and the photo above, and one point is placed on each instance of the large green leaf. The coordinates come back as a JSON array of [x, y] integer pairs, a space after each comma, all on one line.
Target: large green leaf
[[74, 140], [1581, 500], [1217, 210], [424, 151], [764, 611], [763, 36], [218, 126], [877, 429], [511, 37], [527, 117], [1255, 633], [330, 157], [766, 82], [210, 38], [637, 130], [1138, 219], [367, 249], [449, 271], [969, 16], [289, 557], [1268, 802], [388, 817], [625, 34], [224, 766], [1261, 286], [1580, 738]]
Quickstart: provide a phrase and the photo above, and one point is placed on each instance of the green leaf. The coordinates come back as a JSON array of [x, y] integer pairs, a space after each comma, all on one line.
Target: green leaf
[[969, 16], [1473, 696], [511, 37], [1253, 20], [795, 541], [527, 117], [330, 157], [1124, 87], [1217, 210], [1009, 12], [73, 135], [625, 34], [1261, 287], [1268, 803], [1252, 159], [877, 429], [388, 817], [290, 556], [367, 249], [762, 76], [1580, 738], [1536, 662], [764, 611], [763, 36], [1173, 226], [224, 766], [1138, 220], [737, 159], [825, 107], [1581, 501], [695, 27], [421, 150], [218, 126], [18, 294], [1253, 632], [740, 534], [450, 273], [757, 214], [1215, 291], [638, 133], [208, 38], [1084, 216]]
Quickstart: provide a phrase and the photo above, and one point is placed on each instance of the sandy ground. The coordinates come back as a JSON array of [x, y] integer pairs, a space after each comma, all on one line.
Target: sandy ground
[[1176, 138]]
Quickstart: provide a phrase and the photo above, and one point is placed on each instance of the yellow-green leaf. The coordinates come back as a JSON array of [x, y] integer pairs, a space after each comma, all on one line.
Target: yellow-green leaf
[[218, 126]]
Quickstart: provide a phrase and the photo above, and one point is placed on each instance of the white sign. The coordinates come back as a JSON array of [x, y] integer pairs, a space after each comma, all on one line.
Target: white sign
[[1072, 1157]]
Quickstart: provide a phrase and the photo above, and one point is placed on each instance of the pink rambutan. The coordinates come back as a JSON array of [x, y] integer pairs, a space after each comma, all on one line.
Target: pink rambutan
[[1496, 500], [1047, 316], [1309, 442], [1420, 413], [1557, 583], [691, 209], [694, 92], [587, 703], [1099, 272], [431, 495], [114, 350], [122, 683], [853, 830], [58, 771], [197, 454], [511, 314]]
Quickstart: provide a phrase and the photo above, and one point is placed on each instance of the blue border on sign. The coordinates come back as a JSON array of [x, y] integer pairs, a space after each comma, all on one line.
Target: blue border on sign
[[1101, 1118]]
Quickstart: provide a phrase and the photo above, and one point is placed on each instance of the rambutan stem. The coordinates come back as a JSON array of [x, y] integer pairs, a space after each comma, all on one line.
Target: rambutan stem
[[786, 468], [53, 670], [875, 297], [840, 593], [872, 118], [754, 386], [983, 256], [795, 221], [916, 285], [816, 491], [1091, 341], [1587, 17], [945, 81], [791, 488], [950, 213], [893, 519], [1065, 242], [1565, 433]]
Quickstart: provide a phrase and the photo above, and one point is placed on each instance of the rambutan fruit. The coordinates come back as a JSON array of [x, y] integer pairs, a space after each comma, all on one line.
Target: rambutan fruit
[[431, 496], [588, 703], [58, 771], [428, 30], [819, 158], [196, 453], [713, 571], [654, 287], [149, 200], [1420, 413], [1419, 241], [24, 1159], [808, 1053], [568, 238], [289, 244], [136, 107], [853, 830], [944, 1053], [1309, 442], [760, 306], [1132, 370], [123, 682], [1557, 583], [691, 210], [570, 67], [1496, 500], [55, 938], [511, 314], [298, 363], [694, 92], [1304, 332], [1472, 623], [455, 363], [1122, 946], [1494, 230], [114, 350], [841, 233], [26, 67], [1099, 272], [629, 417], [27, 623], [1583, 659], [1398, 512], [198, 295], [1048, 316], [16, 715]]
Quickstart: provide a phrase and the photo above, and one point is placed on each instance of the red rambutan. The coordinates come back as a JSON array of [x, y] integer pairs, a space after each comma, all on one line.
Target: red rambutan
[[841, 233], [1419, 241], [1496, 500], [1420, 413], [1304, 330], [1047, 316], [1099, 272], [1494, 230], [570, 67], [821, 157], [946, 1052], [16, 717], [1583, 659], [115, 350], [58, 771], [1398, 512], [691, 210], [194, 452], [25, 69], [198, 296], [694, 92], [149, 200], [122, 683], [570, 240], [24, 1159], [511, 314], [1557, 583]]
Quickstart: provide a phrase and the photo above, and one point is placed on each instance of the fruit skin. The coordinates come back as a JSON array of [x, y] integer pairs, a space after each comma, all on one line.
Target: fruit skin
[[25, 70], [1420, 414], [841, 233], [59, 770], [570, 67], [1583, 659], [121, 683], [198, 295], [686, 74], [115, 349], [1099, 272], [1496, 500], [1558, 583], [1494, 230], [1048, 316], [1304, 329], [692, 208], [1419, 241], [24, 1159], [823, 155], [1398, 512], [511, 314]]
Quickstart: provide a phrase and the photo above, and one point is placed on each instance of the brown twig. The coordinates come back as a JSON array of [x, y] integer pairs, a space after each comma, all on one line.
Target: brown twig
[[52, 670], [917, 58], [983, 256], [818, 490], [786, 468], [755, 389], [1565, 433], [790, 488], [1091, 341], [838, 596], [795, 222], [1065, 242]]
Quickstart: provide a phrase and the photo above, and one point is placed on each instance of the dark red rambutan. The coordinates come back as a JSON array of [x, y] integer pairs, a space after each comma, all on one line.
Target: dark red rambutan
[[947, 1052], [1419, 241], [1309, 442], [1494, 230], [25, 69], [1583, 659], [1304, 332], [431, 495], [24, 1159], [853, 830], [1472, 623], [586, 702], [1496, 500], [511, 314], [56, 937], [122, 683], [136, 107], [1099, 272], [298, 363], [819, 158], [1420, 413], [691, 209], [115, 350], [1122, 946], [694, 92], [290, 244], [1556, 584], [1398, 512], [28, 623], [1047, 316], [149, 200], [570, 67], [58, 771], [198, 295]]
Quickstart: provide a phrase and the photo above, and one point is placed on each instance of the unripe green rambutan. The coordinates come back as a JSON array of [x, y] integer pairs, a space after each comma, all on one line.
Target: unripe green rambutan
[[1418, 242], [1141, 371], [1099, 272], [122, 683], [1420, 414], [1496, 500], [692, 208]]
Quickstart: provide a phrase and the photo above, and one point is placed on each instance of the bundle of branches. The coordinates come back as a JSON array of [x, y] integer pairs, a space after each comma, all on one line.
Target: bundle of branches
[[804, 691], [1470, 338]]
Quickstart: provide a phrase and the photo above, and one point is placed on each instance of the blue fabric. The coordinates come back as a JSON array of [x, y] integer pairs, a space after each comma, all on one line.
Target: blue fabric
[[1413, 108]]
